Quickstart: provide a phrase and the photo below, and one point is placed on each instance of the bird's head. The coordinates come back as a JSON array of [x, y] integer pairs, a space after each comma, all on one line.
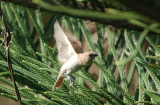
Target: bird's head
[[87, 57]]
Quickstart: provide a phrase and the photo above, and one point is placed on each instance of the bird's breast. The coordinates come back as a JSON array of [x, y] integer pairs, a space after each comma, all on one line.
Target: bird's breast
[[72, 65]]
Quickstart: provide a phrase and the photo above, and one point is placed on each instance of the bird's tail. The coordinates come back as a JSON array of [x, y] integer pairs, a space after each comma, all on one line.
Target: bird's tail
[[58, 83]]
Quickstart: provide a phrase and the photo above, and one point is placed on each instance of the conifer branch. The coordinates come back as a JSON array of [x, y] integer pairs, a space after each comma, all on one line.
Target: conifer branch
[[7, 41], [103, 17]]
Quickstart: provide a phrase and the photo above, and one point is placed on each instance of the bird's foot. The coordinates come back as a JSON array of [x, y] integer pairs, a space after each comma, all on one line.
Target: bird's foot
[[72, 79], [67, 77]]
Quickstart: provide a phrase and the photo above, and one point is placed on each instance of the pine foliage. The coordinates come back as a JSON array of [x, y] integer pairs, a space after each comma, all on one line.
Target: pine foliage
[[36, 66]]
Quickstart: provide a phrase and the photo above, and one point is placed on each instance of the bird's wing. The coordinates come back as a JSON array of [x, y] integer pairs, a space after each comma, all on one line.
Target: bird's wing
[[65, 49]]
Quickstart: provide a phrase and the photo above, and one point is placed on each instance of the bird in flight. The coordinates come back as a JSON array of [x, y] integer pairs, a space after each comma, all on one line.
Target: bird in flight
[[70, 60]]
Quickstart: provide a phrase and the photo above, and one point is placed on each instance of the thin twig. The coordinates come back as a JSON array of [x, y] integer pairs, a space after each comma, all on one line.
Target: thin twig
[[4, 39], [7, 40]]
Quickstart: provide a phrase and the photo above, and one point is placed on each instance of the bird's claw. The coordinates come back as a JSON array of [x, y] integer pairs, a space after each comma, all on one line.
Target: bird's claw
[[72, 79], [67, 77]]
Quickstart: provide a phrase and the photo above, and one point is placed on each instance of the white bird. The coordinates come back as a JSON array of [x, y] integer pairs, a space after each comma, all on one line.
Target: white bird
[[70, 60]]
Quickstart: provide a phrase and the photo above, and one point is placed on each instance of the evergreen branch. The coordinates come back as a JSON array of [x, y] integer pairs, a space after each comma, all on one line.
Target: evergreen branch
[[141, 83], [112, 17], [138, 46], [140, 7], [143, 79], [131, 73], [120, 67], [18, 44], [7, 35], [6, 82], [21, 25], [144, 102]]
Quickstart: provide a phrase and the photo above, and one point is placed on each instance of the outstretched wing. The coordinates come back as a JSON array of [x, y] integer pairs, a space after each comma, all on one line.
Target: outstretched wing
[[65, 49]]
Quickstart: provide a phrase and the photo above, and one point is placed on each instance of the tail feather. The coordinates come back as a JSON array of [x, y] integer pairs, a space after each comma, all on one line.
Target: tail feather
[[58, 83]]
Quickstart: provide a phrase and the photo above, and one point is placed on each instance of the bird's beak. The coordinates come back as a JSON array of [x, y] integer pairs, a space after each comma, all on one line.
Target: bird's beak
[[93, 55]]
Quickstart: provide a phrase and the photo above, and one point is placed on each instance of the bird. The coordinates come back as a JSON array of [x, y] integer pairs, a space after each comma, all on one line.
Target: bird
[[70, 60]]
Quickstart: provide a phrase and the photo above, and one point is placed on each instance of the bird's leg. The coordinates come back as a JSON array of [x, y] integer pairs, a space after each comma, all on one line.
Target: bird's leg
[[67, 77], [72, 79]]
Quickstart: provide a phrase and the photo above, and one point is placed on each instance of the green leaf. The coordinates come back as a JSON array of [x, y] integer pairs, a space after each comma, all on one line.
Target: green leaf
[[153, 96]]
